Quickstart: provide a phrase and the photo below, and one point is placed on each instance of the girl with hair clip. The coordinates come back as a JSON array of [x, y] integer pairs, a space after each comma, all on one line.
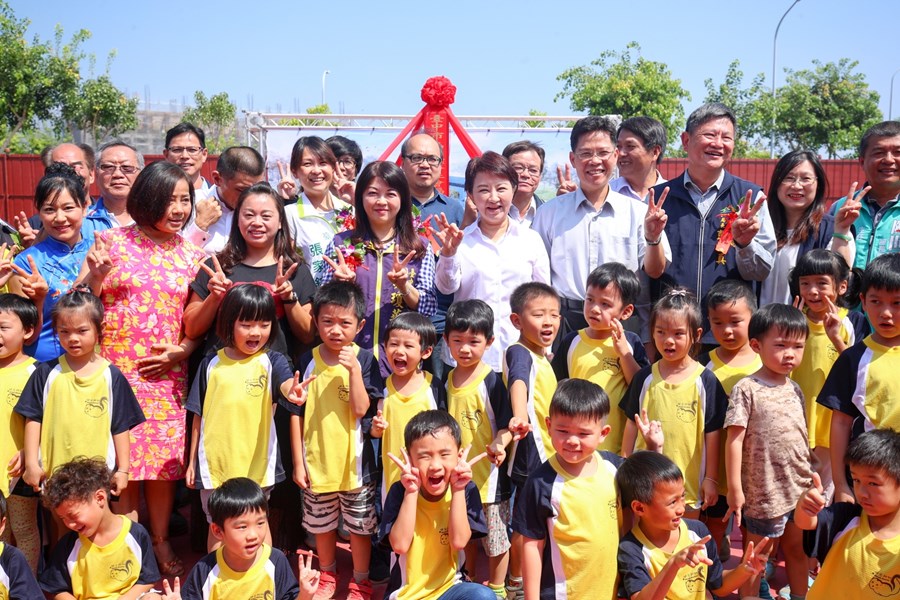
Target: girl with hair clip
[[802, 220], [47, 270], [141, 273], [386, 253], [824, 287], [680, 392], [318, 213]]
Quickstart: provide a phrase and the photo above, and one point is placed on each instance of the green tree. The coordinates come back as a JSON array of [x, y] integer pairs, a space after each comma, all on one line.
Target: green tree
[[751, 106], [827, 107], [318, 109], [101, 110], [217, 115], [536, 113], [37, 76], [627, 85]]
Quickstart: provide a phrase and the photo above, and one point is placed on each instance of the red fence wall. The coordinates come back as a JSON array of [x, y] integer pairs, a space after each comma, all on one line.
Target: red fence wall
[[19, 174]]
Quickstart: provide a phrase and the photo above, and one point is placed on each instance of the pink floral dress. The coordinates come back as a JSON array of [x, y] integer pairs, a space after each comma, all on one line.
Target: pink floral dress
[[144, 296]]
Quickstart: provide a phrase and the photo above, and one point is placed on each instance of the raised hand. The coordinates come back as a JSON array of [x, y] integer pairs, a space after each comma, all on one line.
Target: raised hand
[[462, 473], [755, 559], [287, 187], [566, 184], [347, 358], [207, 212], [298, 394], [171, 593], [344, 188], [798, 303], [307, 577], [449, 235], [379, 424], [342, 271], [656, 218], [284, 289], [218, 282], [693, 555], [27, 234], [519, 428], [409, 475], [34, 286], [812, 501], [6, 264], [98, 260], [620, 341], [832, 323], [651, 431], [849, 210], [399, 274], [746, 226]]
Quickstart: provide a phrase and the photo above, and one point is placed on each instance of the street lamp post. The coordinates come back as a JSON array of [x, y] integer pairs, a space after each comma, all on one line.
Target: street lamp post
[[891, 97], [774, 108], [326, 72]]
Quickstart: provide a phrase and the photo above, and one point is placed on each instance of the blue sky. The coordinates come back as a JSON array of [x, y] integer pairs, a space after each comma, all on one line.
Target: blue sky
[[503, 56]]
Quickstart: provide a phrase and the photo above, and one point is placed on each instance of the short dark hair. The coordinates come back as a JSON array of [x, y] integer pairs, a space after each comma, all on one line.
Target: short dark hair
[[493, 164], [620, 277], [639, 475], [152, 190], [709, 112], [240, 159], [879, 130], [118, 143], [877, 449], [236, 497], [785, 319], [729, 291], [592, 124], [470, 315], [416, 323], [76, 480], [580, 398], [183, 128], [651, 132], [524, 146], [80, 298], [58, 178], [342, 146], [528, 292], [245, 302], [345, 294], [883, 273], [430, 422], [821, 261], [316, 146], [23, 308], [683, 301]]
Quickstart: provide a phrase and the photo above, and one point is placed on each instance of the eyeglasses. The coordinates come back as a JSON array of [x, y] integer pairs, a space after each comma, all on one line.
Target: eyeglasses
[[804, 181], [418, 159], [586, 155], [520, 169], [191, 150], [109, 169], [346, 161]]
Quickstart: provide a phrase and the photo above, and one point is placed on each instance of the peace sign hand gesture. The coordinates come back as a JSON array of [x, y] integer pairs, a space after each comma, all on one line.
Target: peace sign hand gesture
[[298, 389], [218, 282], [449, 235], [98, 260], [746, 226], [832, 322], [284, 289], [342, 271], [693, 555], [462, 473], [566, 184], [656, 219], [849, 210], [344, 188], [651, 431], [307, 577], [27, 234], [287, 187], [409, 475], [620, 341], [399, 274], [34, 286]]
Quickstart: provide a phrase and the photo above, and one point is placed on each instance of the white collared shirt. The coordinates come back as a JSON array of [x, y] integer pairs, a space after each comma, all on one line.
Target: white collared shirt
[[621, 185], [580, 238], [313, 229], [490, 271], [212, 240], [523, 219]]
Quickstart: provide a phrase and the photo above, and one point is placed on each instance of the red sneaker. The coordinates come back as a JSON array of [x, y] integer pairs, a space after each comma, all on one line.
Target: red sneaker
[[327, 586], [361, 590]]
